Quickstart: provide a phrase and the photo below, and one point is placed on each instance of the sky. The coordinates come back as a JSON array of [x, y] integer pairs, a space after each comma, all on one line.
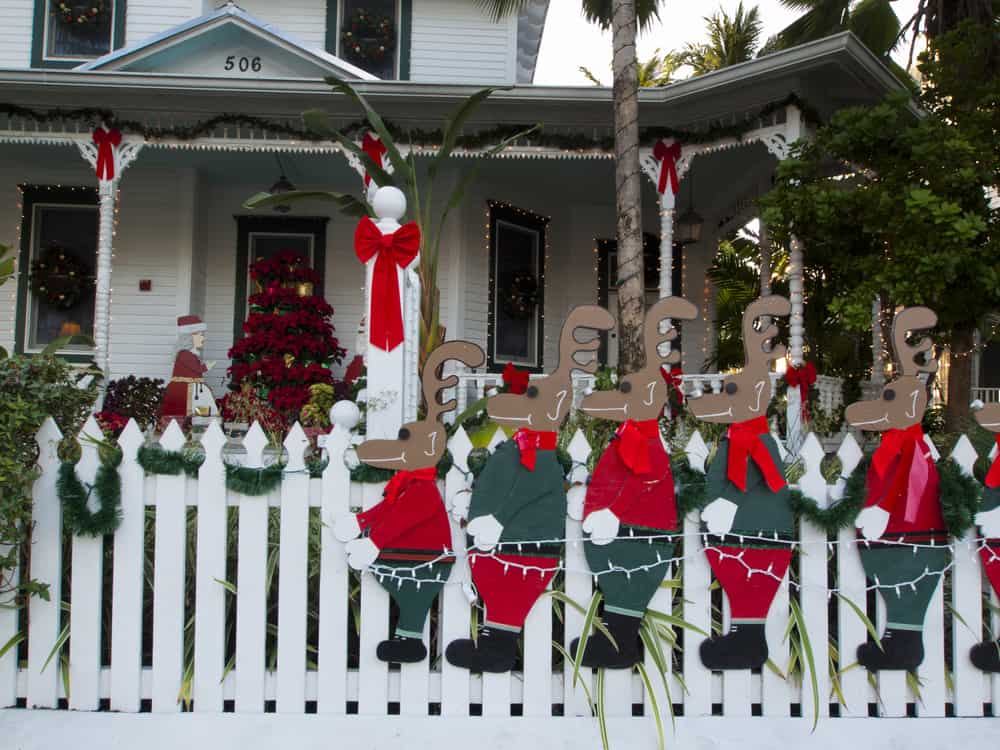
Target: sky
[[569, 41]]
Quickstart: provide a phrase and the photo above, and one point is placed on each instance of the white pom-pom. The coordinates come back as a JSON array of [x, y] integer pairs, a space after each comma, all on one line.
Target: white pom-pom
[[492, 391]]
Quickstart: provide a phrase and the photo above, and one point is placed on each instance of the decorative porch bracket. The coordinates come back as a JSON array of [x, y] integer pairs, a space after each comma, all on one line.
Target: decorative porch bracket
[[109, 157]]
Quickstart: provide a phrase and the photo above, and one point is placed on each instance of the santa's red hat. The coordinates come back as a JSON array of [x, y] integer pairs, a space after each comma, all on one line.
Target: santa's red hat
[[190, 324]]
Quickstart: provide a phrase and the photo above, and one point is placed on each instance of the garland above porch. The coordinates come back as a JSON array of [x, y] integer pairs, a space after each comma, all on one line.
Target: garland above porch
[[89, 117]]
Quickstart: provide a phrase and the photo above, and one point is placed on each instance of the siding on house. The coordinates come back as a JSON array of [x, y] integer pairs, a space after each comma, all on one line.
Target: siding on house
[[15, 33], [457, 42], [144, 18], [305, 20]]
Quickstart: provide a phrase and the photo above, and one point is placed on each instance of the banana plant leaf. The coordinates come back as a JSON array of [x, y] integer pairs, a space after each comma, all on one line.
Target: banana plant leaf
[[318, 121]]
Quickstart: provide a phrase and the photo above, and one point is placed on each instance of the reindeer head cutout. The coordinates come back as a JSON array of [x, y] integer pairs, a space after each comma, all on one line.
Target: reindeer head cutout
[[547, 401], [746, 394], [643, 394], [988, 417], [422, 443], [903, 399]]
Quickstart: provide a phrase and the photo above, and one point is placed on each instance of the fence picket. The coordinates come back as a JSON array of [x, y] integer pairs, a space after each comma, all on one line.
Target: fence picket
[[497, 688], [373, 692], [455, 613], [126, 599], [251, 589], [293, 572], [697, 599], [168, 581], [892, 689], [210, 594], [86, 588], [46, 567], [8, 634], [331, 682], [578, 584]]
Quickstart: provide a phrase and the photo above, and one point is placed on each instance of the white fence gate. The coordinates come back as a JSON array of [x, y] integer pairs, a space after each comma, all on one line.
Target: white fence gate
[[120, 696]]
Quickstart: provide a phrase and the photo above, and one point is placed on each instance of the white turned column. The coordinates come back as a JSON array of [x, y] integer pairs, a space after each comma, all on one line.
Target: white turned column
[[667, 201], [796, 338], [411, 344]]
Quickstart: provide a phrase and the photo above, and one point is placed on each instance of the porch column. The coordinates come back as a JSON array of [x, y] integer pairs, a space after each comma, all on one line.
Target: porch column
[[796, 340], [109, 155], [663, 164]]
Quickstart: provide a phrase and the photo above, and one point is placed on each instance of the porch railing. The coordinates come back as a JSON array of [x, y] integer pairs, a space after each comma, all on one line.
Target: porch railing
[[295, 631], [986, 395]]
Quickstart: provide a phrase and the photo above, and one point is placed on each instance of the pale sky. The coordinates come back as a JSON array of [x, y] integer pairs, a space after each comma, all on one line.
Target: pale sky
[[569, 41]]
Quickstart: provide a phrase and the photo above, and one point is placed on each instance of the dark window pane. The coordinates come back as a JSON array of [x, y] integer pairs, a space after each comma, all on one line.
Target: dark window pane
[[67, 37], [517, 268], [268, 244], [369, 36], [72, 229]]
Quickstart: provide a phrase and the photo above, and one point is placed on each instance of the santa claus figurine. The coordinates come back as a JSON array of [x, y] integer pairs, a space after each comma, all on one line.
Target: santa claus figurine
[[186, 392]]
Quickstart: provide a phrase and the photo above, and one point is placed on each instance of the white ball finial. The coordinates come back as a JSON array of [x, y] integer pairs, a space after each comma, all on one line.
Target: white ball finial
[[389, 203], [345, 414]]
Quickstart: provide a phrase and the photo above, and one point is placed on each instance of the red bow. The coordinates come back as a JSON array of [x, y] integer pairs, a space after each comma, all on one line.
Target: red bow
[[667, 156], [375, 150], [106, 141], [633, 445], [745, 444], [802, 377], [401, 479], [517, 380], [672, 377], [911, 472], [396, 249], [993, 475], [530, 441]]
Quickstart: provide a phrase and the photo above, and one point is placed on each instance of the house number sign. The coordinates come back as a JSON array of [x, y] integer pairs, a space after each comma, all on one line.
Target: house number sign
[[242, 63]]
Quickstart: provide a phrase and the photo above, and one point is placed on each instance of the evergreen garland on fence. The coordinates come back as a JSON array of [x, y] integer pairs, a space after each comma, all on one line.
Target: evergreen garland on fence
[[692, 488], [155, 460], [253, 482], [74, 494], [961, 496], [841, 514]]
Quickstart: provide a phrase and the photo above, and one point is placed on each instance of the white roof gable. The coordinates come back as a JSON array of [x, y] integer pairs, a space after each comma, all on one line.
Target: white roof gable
[[228, 42]]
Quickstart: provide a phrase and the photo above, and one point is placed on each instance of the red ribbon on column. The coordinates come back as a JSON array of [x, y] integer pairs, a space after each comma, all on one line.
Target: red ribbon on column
[[667, 156], [375, 150], [390, 250], [993, 475], [672, 377], [106, 141], [802, 378]]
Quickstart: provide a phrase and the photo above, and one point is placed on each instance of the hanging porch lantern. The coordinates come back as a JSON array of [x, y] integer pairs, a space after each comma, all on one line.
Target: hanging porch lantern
[[283, 185]]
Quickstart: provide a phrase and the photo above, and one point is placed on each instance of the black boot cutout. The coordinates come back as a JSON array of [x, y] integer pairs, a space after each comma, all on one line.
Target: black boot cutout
[[986, 656], [743, 647], [901, 649], [600, 652], [495, 650], [402, 650]]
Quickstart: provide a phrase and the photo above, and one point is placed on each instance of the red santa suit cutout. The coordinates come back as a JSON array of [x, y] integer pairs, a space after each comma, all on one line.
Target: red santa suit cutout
[[186, 392]]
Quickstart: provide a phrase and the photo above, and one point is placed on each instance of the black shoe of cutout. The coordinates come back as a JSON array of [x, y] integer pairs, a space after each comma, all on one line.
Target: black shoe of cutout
[[600, 652], [402, 650], [743, 647], [493, 651], [986, 656], [901, 649]]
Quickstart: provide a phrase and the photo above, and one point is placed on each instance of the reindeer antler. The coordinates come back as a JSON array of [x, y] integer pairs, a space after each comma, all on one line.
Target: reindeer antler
[[913, 319], [754, 341], [666, 309], [585, 316], [463, 351]]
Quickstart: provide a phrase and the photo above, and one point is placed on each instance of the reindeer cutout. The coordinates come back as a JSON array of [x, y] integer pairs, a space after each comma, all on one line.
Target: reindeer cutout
[[630, 511], [750, 520], [903, 504], [986, 655], [409, 534], [517, 512]]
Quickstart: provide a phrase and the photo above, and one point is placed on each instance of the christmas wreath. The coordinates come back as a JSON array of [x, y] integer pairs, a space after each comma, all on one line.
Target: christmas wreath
[[79, 14], [59, 278], [521, 296], [368, 37]]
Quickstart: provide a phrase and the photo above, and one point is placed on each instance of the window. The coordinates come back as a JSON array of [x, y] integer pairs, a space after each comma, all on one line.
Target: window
[[67, 32], [517, 287], [59, 253], [264, 236], [369, 35]]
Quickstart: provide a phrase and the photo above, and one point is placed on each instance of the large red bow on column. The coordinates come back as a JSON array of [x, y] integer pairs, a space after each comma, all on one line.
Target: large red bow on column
[[375, 150], [745, 444], [993, 475], [672, 377], [516, 380], [530, 441], [912, 471], [667, 156], [396, 249], [633, 443], [802, 378], [106, 141]]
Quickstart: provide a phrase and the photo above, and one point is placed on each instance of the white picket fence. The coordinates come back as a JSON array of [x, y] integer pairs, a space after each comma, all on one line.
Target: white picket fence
[[312, 673]]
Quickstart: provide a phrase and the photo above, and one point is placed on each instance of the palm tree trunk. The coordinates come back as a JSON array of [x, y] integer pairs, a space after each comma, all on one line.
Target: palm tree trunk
[[631, 292]]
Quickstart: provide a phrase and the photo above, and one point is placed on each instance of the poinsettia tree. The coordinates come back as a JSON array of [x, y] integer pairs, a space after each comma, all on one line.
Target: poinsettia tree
[[289, 343]]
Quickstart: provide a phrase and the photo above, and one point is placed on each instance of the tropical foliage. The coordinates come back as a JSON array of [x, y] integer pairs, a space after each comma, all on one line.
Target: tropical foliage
[[730, 40]]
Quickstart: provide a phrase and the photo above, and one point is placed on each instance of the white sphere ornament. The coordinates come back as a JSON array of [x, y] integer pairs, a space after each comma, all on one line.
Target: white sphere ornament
[[345, 414], [389, 203]]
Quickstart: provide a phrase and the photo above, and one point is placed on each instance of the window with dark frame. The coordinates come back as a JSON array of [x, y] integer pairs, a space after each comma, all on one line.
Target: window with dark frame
[[369, 36], [59, 229], [79, 30], [517, 287]]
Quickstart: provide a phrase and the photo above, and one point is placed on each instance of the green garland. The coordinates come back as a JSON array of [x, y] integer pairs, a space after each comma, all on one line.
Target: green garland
[[74, 494], [961, 497], [692, 488], [841, 514], [253, 482], [155, 460], [93, 116]]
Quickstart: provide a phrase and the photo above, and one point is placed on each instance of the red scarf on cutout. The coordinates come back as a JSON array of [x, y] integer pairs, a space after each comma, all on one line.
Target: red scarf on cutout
[[745, 444], [993, 475], [912, 472], [530, 441], [401, 479], [632, 444]]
